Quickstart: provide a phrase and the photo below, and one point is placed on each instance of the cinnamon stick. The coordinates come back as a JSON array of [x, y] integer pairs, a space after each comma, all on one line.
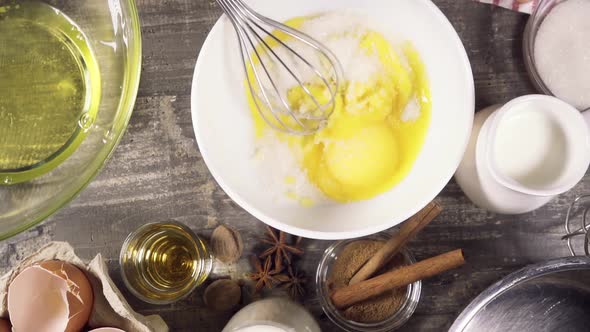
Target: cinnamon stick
[[408, 230], [347, 296]]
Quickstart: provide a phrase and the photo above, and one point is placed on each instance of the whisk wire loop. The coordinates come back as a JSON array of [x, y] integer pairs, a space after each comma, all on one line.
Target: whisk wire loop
[[302, 37], [255, 32], [582, 231], [242, 37]]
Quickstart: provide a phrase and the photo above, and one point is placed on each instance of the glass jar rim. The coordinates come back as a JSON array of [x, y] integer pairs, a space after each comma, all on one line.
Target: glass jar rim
[[540, 12], [133, 235]]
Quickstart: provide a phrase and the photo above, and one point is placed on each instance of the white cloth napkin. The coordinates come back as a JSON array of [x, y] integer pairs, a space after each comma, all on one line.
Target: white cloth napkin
[[523, 6]]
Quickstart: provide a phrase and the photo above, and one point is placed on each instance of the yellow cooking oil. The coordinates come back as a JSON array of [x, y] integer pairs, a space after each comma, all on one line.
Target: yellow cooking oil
[[49, 89], [164, 262]]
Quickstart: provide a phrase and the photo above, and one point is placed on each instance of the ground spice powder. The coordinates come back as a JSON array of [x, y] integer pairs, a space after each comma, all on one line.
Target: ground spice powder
[[349, 261]]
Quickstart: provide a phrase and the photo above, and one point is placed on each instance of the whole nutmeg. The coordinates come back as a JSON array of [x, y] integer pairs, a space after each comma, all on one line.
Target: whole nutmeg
[[223, 295], [226, 244]]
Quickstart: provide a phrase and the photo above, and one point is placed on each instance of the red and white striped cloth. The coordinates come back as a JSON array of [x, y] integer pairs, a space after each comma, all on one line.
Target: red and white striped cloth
[[523, 6]]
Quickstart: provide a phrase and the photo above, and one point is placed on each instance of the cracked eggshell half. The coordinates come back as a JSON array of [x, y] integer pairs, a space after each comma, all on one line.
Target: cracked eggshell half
[[49, 297], [106, 329]]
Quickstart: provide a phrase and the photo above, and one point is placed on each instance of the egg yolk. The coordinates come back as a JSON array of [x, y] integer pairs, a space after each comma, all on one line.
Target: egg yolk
[[370, 141], [356, 167]]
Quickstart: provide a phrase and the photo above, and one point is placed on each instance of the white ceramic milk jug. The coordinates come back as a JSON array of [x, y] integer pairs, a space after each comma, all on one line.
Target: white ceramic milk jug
[[524, 153], [275, 314]]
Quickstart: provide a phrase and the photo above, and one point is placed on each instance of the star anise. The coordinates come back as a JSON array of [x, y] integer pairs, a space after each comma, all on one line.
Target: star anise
[[279, 248], [264, 275], [293, 283]]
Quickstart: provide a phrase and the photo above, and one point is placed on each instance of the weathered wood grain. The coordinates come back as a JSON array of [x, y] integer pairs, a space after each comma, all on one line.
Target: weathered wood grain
[[157, 173]]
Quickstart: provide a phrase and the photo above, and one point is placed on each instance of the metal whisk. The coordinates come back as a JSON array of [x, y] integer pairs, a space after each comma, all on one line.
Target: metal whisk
[[292, 78], [577, 231]]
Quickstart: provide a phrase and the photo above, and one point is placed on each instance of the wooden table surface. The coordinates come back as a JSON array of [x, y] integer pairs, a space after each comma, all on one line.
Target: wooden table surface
[[157, 173]]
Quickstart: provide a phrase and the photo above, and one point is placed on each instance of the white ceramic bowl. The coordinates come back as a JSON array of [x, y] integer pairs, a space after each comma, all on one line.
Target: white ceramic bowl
[[224, 131]]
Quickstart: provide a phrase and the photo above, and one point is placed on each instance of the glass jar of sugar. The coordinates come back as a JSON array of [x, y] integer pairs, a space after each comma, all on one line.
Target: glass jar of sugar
[[275, 314], [557, 50]]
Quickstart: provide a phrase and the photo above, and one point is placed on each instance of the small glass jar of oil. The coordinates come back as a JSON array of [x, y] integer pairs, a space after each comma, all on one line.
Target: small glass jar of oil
[[162, 263]]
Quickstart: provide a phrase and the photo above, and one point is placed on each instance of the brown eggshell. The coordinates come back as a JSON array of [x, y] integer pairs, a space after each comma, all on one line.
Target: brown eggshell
[[80, 310], [50, 296], [5, 325]]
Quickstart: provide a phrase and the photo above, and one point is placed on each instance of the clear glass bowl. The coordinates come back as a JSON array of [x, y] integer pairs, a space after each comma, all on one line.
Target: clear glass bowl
[[530, 33], [404, 313], [112, 31]]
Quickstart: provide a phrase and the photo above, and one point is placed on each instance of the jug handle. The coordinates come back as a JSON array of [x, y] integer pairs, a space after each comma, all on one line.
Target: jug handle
[[586, 114]]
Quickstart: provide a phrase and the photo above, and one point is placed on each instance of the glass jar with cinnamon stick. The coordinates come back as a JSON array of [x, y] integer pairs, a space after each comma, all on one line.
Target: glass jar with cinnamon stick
[[386, 312]]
